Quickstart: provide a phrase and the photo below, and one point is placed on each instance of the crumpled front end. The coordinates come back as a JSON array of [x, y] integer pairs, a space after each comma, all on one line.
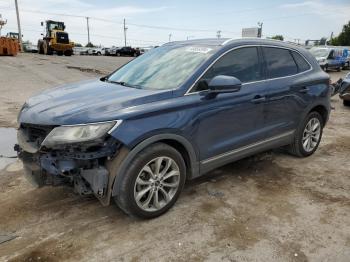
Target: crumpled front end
[[80, 165]]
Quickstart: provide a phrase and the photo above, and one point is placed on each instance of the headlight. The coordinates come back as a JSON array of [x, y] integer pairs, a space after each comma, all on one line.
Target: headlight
[[78, 133]]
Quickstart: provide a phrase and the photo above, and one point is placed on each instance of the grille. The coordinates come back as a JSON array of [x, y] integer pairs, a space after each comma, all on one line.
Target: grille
[[62, 38]]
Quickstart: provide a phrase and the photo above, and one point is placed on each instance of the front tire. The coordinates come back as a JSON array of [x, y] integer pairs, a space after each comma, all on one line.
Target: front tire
[[152, 183], [307, 136]]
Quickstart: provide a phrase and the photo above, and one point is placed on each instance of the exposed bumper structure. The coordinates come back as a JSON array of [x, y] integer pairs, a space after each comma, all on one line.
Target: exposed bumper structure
[[80, 165]]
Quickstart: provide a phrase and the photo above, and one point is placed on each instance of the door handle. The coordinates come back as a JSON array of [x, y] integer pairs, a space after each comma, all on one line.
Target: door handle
[[304, 89], [258, 99]]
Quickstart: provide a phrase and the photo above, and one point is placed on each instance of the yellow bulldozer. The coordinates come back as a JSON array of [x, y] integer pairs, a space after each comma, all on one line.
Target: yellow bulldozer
[[55, 39]]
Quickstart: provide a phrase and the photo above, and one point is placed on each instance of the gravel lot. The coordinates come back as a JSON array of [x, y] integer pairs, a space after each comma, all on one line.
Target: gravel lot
[[270, 207]]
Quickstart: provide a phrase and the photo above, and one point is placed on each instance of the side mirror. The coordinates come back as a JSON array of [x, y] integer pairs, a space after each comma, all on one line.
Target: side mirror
[[224, 84]]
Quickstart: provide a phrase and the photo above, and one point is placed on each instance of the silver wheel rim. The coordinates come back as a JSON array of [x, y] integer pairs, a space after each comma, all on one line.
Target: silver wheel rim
[[311, 134], [157, 184]]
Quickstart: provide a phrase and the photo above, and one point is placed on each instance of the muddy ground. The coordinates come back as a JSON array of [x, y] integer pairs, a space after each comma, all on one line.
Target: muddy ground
[[271, 207]]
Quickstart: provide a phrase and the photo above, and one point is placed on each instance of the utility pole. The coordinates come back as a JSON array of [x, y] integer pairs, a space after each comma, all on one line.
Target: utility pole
[[125, 28], [218, 34], [88, 29], [19, 27], [170, 35], [260, 24]]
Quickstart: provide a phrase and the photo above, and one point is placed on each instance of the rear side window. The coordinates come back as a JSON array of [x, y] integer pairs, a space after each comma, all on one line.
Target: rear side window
[[301, 62], [279, 62]]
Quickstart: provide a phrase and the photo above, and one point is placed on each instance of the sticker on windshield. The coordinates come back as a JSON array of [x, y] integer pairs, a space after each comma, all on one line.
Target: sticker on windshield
[[197, 49]]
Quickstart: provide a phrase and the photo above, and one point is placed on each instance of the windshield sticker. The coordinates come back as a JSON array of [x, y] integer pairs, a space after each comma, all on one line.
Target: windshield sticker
[[196, 49]]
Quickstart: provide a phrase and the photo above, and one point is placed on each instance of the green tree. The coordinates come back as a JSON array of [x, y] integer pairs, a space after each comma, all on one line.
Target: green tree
[[343, 39], [278, 37], [89, 45]]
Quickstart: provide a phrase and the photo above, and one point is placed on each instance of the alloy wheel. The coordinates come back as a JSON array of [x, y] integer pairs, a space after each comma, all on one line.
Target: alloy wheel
[[156, 184], [311, 134]]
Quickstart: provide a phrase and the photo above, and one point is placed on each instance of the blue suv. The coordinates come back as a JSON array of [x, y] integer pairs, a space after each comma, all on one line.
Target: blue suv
[[173, 114]]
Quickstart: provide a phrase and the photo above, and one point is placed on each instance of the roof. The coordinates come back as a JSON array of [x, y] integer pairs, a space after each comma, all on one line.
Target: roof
[[236, 41]]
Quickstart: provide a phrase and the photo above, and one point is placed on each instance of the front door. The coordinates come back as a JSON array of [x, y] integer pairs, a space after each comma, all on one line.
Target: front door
[[231, 121]]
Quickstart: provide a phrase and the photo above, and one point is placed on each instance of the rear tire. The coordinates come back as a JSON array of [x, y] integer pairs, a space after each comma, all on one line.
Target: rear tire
[[68, 52], [308, 136], [60, 53], [152, 182]]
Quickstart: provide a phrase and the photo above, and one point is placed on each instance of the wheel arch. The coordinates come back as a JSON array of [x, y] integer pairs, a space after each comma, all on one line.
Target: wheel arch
[[322, 110], [176, 141]]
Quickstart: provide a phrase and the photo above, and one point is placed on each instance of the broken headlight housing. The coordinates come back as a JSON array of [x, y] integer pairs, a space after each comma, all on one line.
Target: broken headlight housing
[[78, 133]]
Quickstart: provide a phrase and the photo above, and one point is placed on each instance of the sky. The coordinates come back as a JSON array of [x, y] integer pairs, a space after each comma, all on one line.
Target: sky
[[151, 22]]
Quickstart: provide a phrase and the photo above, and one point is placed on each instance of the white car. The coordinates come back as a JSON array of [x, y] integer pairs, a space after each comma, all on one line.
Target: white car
[[99, 51]]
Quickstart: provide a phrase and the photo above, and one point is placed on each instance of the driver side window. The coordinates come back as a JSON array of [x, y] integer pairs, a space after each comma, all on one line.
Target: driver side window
[[242, 63]]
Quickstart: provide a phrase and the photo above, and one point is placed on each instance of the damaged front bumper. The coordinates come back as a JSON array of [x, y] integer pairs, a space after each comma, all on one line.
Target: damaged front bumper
[[80, 165]]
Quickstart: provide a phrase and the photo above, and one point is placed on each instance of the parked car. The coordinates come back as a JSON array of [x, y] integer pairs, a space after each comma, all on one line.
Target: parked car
[[173, 114], [30, 48], [344, 90], [96, 51], [105, 51], [347, 61], [127, 51], [330, 57], [113, 50], [79, 50]]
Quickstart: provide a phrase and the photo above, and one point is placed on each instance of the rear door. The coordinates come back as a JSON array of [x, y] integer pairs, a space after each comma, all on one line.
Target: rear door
[[287, 89]]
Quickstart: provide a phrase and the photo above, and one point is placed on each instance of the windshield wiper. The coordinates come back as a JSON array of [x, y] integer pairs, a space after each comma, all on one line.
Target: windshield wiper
[[123, 84]]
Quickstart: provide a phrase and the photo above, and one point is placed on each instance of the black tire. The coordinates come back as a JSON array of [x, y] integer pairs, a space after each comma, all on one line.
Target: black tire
[[339, 69], [49, 51], [296, 148], [68, 52], [125, 198], [346, 102], [60, 53], [118, 54], [40, 47]]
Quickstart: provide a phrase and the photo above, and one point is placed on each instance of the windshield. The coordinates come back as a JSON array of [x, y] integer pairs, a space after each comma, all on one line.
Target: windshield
[[319, 52], [165, 67], [56, 26]]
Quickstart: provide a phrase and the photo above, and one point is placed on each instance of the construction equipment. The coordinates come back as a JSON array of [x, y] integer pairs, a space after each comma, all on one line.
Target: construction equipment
[[8, 45], [12, 35], [55, 39]]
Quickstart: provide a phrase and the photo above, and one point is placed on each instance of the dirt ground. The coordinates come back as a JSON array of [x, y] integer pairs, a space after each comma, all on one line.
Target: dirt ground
[[271, 207]]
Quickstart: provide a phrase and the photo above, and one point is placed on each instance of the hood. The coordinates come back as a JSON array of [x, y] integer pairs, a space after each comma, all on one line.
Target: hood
[[85, 102]]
